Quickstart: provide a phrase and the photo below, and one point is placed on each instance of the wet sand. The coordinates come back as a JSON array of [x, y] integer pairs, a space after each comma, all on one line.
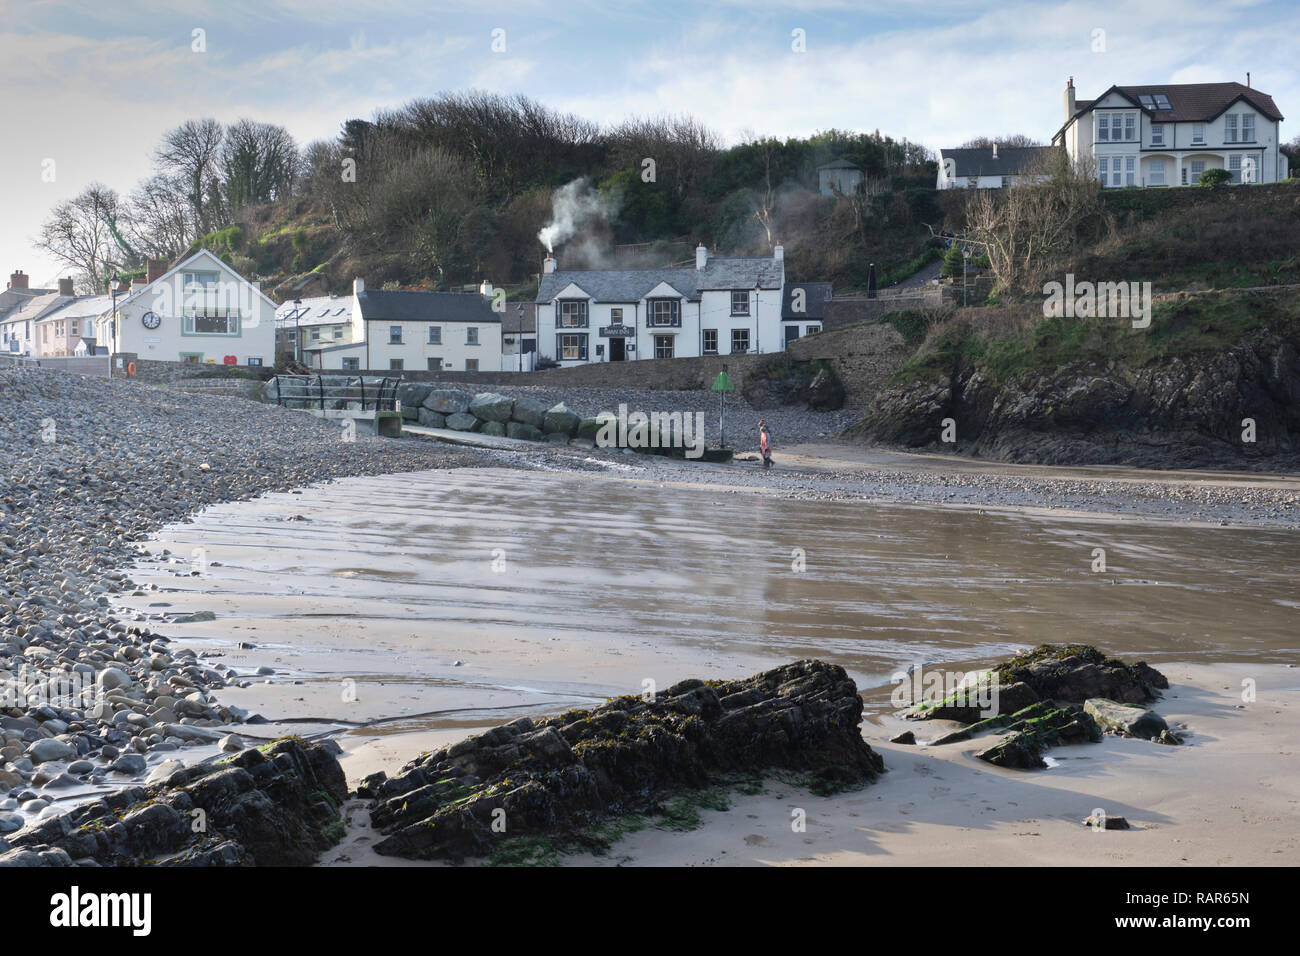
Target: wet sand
[[474, 596]]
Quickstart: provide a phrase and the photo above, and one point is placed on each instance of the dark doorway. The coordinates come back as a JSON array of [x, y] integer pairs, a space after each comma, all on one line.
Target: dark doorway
[[617, 350], [791, 333]]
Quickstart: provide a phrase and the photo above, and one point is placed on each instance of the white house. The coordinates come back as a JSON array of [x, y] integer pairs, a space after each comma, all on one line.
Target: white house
[[991, 167], [18, 327], [721, 306], [1167, 135], [71, 328], [396, 330], [200, 311]]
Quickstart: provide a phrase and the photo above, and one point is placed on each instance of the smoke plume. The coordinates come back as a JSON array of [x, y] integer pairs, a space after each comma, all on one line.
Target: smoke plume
[[577, 207]]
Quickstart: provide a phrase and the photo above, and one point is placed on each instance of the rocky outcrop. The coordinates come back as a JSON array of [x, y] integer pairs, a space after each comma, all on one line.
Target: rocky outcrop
[[1184, 411], [447, 401], [563, 774], [491, 407], [781, 380], [1052, 695], [275, 806], [561, 420]]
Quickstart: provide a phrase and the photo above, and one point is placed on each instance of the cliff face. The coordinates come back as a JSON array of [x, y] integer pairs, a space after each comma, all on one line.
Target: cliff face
[[1179, 412]]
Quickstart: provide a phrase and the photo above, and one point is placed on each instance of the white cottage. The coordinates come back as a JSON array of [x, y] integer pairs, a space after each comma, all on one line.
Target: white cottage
[[200, 311], [722, 306]]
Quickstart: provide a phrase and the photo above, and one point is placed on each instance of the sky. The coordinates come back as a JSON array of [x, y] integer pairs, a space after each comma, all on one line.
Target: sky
[[88, 89]]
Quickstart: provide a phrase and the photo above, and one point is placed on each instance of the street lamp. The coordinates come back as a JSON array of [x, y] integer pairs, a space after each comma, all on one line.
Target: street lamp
[[112, 323], [965, 258], [297, 331]]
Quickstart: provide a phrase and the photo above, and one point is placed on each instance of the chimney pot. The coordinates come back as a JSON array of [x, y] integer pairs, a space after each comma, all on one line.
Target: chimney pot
[[548, 264], [701, 256], [65, 287], [995, 150], [1070, 101], [778, 252], [1248, 79]]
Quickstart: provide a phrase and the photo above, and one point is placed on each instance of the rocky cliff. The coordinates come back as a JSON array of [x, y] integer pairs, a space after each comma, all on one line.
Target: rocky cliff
[[1183, 411]]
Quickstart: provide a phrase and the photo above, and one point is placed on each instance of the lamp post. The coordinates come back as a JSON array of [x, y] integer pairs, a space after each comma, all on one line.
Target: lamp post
[[112, 322], [965, 258], [297, 330]]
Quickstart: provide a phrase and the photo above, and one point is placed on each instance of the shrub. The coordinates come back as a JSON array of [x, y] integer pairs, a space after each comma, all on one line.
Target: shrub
[[1214, 178]]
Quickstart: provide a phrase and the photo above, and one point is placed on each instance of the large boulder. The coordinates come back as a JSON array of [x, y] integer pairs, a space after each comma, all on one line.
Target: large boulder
[[524, 432], [529, 411], [589, 428], [51, 749], [462, 422], [560, 419], [557, 777], [491, 407], [1076, 672], [1126, 720], [432, 419], [413, 394], [493, 428], [447, 401]]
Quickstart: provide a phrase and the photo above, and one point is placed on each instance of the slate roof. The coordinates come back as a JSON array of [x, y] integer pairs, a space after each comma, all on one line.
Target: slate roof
[[81, 307], [1191, 102], [631, 285], [1010, 161], [426, 307], [814, 300], [519, 317], [38, 307], [319, 310]]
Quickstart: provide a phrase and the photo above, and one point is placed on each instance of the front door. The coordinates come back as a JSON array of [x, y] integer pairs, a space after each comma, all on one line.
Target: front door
[[617, 350], [791, 333]]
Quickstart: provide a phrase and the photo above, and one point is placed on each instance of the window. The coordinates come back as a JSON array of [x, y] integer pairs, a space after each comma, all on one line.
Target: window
[[315, 335], [1248, 127], [1130, 171], [394, 335], [740, 302], [972, 182], [573, 314], [1198, 133], [1157, 169], [471, 335], [1116, 127], [1230, 128], [710, 341], [663, 312], [352, 363], [395, 365], [1103, 166], [1157, 134], [571, 347], [191, 358], [739, 341], [435, 335], [1006, 182], [471, 365], [615, 316], [211, 323], [434, 364], [1130, 127], [254, 361], [663, 346], [1198, 167], [1234, 167], [813, 330]]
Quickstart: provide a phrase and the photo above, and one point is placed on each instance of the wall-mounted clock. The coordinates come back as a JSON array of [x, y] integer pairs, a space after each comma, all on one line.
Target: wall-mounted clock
[[151, 320]]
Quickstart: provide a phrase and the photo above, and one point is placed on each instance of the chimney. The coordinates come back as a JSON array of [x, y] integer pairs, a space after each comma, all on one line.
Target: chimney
[[701, 256], [1069, 99], [155, 269], [995, 150], [548, 264], [485, 289], [18, 280], [65, 287], [1248, 79], [778, 252], [358, 286]]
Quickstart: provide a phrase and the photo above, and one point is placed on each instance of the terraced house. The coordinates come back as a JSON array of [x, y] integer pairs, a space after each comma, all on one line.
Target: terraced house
[[1168, 135], [722, 306]]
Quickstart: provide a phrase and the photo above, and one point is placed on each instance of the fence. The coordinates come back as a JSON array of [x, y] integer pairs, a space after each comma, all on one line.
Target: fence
[[336, 396]]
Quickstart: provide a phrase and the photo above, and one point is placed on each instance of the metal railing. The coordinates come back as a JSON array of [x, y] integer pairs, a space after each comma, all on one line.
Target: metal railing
[[324, 393]]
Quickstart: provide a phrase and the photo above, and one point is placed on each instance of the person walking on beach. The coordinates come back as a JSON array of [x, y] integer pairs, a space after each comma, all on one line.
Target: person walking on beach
[[765, 444]]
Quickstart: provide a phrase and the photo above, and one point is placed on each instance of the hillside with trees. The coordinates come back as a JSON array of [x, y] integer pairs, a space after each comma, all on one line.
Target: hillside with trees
[[456, 188]]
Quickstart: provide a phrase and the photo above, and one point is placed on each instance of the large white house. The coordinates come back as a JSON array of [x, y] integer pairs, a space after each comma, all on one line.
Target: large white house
[[200, 311], [722, 306], [394, 330], [1167, 135]]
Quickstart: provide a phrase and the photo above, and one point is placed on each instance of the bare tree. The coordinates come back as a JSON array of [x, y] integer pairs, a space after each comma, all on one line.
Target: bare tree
[[189, 153], [85, 232], [1024, 226], [1009, 141], [159, 217]]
